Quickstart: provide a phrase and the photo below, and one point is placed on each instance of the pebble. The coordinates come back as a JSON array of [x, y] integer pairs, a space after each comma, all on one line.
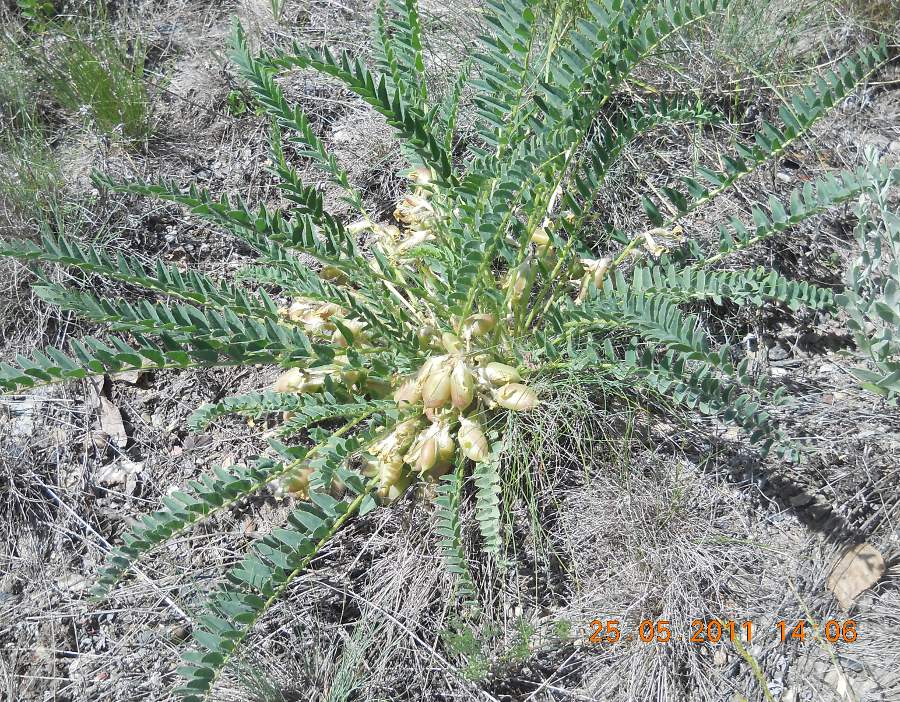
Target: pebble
[[778, 353], [801, 500], [179, 632]]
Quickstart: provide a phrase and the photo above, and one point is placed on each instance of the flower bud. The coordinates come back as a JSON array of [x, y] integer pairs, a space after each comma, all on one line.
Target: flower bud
[[520, 279], [540, 238], [359, 226], [427, 336], [472, 441], [392, 447], [333, 274], [289, 381], [462, 385], [450, 342], [295, 484], [478, 325], [409, 393], [421, 175], [500, 374], [600, 270], [388, 492], [419, 237], [516, 397], [355, 327], [652, 247], [427, 455]]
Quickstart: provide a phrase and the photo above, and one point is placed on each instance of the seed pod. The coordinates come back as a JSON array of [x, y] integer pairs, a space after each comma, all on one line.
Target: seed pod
[[430, 365], [351, 376], [478, 325], [436, 472], [543, 253], [500, 374], [433, 447], [472, 441], [516, 397], [377, 388], [462, 385], [314, 380], [436, 387]]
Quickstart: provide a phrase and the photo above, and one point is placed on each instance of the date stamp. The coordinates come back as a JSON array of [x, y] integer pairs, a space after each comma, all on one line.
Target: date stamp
[[713, 631]]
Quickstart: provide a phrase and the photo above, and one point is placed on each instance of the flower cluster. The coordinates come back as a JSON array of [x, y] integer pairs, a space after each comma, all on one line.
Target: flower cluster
[[450, 396]]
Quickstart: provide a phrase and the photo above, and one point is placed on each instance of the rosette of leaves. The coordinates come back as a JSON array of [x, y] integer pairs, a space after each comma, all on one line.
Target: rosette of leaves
[[400, 359]]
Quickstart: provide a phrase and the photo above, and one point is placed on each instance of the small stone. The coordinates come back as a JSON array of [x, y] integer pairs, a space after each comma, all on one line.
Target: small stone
[[72, 582], [851, 664], [10, 585], [131, 377], [778, 353], [118, 472], [179, 632]]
